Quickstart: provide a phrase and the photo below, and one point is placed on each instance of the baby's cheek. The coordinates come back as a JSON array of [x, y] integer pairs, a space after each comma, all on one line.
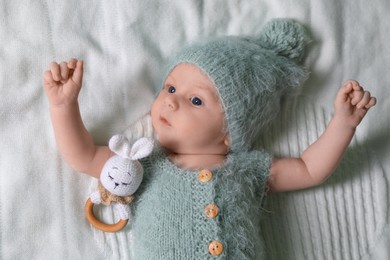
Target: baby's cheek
[[187, 126]]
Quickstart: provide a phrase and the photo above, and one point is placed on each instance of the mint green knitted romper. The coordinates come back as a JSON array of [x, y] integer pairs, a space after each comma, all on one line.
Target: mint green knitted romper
[[169, 214]]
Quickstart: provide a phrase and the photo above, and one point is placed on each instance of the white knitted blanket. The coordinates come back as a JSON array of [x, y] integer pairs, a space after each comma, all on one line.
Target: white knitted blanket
[[124, 45]]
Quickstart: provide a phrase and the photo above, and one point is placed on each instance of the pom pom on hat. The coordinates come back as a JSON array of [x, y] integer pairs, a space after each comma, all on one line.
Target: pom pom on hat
[[251, 74], [284, 37]]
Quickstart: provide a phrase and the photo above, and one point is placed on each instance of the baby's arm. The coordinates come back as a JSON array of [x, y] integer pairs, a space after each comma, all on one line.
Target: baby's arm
[[320, 159], [62, 84]]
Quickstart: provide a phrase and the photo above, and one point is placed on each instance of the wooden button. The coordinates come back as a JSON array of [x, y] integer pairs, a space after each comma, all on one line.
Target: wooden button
[[215, 248], [211, 211], [205, 176]]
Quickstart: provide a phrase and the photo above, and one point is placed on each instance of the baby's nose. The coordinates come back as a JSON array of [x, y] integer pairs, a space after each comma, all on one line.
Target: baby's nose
[[172, 103]]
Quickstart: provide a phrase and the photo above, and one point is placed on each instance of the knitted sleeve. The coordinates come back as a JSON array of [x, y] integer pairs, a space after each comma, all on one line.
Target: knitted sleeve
[[250, 169]]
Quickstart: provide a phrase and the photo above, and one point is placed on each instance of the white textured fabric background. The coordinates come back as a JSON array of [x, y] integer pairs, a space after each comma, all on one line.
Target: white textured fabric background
[[124, 45]]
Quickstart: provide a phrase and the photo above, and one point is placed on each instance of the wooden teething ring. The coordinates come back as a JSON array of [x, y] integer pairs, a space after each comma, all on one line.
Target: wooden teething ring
[[100, 225]]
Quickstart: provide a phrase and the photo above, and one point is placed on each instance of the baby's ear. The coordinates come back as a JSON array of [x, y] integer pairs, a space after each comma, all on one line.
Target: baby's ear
[[227, 141], [141, 148]]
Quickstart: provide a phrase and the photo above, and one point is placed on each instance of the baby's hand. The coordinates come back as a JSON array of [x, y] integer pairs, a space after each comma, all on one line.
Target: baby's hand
[[63, 82], [352, 103]]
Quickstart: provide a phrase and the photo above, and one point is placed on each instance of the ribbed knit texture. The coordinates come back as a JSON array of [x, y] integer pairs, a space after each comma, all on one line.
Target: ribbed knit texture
[[169, 220], [341, 219], [140, 128]]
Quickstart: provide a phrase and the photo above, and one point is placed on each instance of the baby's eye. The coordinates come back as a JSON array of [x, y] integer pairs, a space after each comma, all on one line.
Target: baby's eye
[[125, 184], [109, 176], [171, 89], [196, 101]]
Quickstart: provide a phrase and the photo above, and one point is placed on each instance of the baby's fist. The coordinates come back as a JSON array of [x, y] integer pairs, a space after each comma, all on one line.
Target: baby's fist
[[63, 82], [352, 103]]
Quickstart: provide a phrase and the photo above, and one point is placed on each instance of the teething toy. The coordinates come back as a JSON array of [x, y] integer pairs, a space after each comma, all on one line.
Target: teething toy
[[119, 179]]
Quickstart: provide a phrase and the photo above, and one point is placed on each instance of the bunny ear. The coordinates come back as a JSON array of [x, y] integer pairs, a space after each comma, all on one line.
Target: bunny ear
[[141, 148], [120, 145]]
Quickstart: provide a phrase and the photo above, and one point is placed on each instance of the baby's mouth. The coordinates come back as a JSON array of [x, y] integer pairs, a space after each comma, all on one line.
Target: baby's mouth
[[164, 121]]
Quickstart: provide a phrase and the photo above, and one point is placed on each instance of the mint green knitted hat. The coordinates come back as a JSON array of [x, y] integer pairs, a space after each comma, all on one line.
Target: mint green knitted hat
[[251, 74]]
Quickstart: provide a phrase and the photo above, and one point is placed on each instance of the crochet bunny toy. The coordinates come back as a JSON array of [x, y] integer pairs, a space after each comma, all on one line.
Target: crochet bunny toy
[[119, 179]]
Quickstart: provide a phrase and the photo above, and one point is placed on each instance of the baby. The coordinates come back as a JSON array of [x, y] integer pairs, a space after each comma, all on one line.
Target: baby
[[204, 184]]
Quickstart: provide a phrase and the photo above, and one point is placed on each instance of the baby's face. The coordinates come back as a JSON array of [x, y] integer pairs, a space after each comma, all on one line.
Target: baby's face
[[187, 114]]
